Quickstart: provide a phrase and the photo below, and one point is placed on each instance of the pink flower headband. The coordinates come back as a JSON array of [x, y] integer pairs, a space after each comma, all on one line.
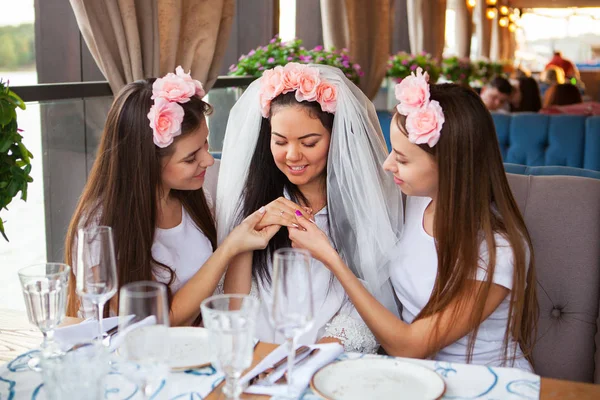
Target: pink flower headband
[[166, 115], [305, 80], [424, 117]]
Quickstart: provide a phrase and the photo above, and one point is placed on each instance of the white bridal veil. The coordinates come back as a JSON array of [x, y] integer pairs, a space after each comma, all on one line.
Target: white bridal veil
[[364, 204]]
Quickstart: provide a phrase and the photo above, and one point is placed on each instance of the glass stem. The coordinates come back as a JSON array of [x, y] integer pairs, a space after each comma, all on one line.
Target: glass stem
[[100, 314], [291, 342], [232, 390]]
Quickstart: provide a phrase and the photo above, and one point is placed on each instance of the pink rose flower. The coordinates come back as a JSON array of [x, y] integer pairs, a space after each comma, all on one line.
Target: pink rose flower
[[327, 97], [425, 125], [198, 89], [308, 81], [173, 88], [265, 105], [291, 76], [272, 82], [412, 92], [165, 120]]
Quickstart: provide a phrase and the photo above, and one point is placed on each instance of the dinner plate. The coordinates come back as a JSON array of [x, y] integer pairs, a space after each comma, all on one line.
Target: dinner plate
[[190, 348], [377, 378]]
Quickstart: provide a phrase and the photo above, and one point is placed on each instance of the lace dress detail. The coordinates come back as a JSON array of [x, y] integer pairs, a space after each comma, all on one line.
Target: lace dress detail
[[349, 328]]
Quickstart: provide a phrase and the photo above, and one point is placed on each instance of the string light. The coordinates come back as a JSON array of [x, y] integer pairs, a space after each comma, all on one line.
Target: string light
[[491, 2], [471, 3], [504, 10], [491, 13], [512, 17], [512, 27], [503, 22]]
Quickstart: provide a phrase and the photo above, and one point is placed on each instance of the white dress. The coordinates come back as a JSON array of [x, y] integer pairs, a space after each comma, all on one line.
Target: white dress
[[335, 315], [183, 248], [413, 276]]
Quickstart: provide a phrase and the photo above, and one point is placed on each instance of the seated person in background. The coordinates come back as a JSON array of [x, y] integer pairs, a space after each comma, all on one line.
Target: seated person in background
[[562, 95], [569, 69], [529, 99], [552, 75], [496, 94]]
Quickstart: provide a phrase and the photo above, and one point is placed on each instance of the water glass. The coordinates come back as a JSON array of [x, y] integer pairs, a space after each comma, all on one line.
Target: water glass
[[292, 311], [144, 323], [45, 288], [230, 320], [96, 274], [82, 372]]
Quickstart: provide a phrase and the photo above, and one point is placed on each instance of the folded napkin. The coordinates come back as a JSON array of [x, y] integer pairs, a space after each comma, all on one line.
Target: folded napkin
[[83, 332], [302, 373]]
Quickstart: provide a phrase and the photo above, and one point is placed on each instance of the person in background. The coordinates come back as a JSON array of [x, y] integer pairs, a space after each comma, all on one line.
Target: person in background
[[562, 95], [529, 99], [551, 76], [496, 94], [567, 66]]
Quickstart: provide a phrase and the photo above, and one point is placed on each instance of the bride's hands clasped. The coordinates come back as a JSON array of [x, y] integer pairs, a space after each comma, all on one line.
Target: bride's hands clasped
[[308, 236], [281, 212]]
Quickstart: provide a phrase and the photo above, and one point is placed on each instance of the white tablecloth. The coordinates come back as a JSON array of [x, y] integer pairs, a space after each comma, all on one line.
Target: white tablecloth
[[462, 382]]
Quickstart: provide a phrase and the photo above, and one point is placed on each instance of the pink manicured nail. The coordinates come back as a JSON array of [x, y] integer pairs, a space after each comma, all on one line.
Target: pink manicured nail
[[262, 210], [298, 213], [295, 226]]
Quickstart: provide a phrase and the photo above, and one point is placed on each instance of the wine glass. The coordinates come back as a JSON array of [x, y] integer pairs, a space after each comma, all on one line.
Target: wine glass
[[144, 326], [96, 268], [293, 306], [45, 288], [230, 320]]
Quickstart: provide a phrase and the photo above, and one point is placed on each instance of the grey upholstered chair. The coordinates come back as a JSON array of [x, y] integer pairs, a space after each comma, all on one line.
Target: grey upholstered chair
[[562, 214]]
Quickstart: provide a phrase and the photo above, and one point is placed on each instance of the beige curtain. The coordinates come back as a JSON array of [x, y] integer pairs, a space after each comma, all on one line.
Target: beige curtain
[[128, 42], [427, 26], [501, 48], [464, 27], [483, 30], [364, 29]]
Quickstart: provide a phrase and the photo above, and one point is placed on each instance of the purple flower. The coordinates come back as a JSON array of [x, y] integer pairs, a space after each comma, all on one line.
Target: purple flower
[[241, 57], [356, 67], [273, 40], [320, 59], [264, 48], [232, 67], [345, 50], [405, 62], [318, 48], [413, 67], [271, 60], [346, 64], [290, 58], [252, 52], [259, 65], [261, 68], [361, 73], [462, 76]]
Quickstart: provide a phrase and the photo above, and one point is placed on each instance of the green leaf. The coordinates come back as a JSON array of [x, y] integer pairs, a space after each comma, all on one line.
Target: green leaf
[[16, 100], [2, 230]]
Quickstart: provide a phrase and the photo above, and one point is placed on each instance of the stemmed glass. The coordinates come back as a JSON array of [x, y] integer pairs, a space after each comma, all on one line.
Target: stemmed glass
[[45, 288], [293, 305], [230, 320], [144, 323], [96, 268]]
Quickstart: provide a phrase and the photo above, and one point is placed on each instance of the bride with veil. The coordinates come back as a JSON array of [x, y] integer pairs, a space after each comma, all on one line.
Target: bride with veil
[[303, 137]]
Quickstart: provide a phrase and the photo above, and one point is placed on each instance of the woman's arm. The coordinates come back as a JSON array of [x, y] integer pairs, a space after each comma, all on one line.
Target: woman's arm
[[238, 278], [398, 338], [243, 239]]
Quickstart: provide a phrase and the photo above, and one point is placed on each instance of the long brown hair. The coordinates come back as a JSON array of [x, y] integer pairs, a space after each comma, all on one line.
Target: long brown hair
[[123, 187], [562, 94], [474, 202]]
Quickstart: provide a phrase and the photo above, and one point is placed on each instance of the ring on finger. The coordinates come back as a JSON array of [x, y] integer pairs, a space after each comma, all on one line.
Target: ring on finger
[[281, 212]]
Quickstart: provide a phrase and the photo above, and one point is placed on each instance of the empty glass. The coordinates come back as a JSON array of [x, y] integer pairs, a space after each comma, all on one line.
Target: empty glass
[[96, 274], [230, 320], [45, 288], [293, 305], [144, 323], [82, 372]]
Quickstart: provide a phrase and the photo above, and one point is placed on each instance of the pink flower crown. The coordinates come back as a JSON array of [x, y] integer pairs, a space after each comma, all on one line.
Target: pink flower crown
[[166, 114], [305, 80], [424, 117]]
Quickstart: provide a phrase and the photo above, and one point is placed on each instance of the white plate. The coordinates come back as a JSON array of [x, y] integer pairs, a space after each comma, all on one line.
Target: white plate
[[377, 378], [190, 348]]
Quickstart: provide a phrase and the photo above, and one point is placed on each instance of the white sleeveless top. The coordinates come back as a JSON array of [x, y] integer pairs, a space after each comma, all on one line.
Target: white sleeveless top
[[413, 276]]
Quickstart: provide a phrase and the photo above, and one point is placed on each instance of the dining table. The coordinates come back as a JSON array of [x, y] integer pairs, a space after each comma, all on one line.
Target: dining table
[[17, 336]]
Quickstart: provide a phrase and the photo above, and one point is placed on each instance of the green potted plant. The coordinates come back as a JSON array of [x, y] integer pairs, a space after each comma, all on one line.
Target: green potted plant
[[484, 71], [15, 159], [457, 70], [277, 52]]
